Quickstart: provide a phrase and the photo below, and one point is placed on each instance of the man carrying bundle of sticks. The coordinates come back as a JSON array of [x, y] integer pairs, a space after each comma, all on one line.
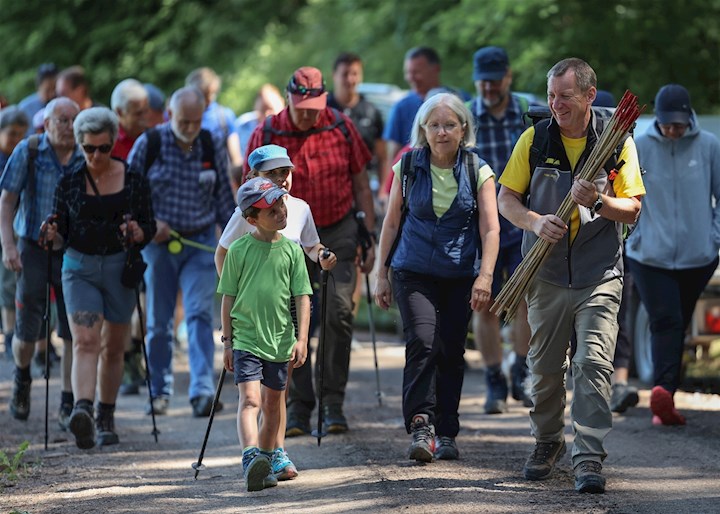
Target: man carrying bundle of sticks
[[579, 283]]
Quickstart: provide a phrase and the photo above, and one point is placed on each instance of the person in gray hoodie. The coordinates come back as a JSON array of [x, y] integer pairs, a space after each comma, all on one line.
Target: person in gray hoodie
[[673, 251]]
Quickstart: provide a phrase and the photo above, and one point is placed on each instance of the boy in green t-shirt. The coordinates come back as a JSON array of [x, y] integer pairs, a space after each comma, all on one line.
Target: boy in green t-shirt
[[261, 272]]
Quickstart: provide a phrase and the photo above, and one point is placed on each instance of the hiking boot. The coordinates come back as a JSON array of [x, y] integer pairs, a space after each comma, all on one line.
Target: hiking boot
[[282, 467], [588, 477], [497, 391], [663, 408], [133, 373], [258, 473], [422, 446], [445, 448], [82, 425], [541, 461], [105, 425], [334, 421], [297, 425], [519, 378], [202, 406], [64, 416], [160, 405], [623, 397], [20, 401]]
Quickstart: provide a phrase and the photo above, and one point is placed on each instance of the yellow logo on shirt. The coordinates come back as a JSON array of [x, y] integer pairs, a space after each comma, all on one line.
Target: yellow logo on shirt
[[550, 160]]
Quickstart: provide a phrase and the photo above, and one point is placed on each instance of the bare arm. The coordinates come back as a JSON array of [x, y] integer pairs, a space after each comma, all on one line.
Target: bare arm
[[302, 305], [390, 227], [11, 258], [364, 202], [220, 253], [225, 308], [623, 210], [489, 228]]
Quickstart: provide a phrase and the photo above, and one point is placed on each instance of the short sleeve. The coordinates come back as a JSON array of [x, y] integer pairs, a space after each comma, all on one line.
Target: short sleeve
[[628, 182], [299, 278], [516, 175], [236, 227]]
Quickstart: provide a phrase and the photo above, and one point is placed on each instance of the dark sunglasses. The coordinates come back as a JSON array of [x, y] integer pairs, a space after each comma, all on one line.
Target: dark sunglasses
[[90, 149], [294, 89]]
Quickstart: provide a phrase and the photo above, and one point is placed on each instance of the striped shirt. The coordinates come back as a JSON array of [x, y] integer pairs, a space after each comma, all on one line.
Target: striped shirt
[[35, 207]]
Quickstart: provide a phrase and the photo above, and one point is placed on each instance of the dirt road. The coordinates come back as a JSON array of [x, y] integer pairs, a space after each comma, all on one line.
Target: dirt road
[[649, 469]]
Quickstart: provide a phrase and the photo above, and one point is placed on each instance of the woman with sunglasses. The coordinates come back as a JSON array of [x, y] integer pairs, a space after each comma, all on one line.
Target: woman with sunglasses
[[89, 220], [272, 162]]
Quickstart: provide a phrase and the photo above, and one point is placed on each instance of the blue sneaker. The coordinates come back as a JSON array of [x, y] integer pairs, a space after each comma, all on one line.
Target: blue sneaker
[[282, 467], [258, 473]]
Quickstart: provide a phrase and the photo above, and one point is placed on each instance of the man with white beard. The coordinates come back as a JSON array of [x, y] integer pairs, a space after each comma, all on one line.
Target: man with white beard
[[191, 196]]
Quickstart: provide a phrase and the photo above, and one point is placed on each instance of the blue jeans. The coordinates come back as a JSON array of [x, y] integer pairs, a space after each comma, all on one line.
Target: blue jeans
[[193, 271], [669, 297]]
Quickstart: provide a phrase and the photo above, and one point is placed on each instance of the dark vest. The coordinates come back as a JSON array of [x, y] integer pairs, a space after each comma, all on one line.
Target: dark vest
[[595, 255], [447, 246]]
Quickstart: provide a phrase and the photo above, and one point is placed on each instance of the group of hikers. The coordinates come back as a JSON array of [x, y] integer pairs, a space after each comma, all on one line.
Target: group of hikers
[[100, 204]]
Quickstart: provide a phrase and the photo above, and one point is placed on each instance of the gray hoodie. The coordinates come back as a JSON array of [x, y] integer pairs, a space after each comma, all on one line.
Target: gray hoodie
[[679, 226]]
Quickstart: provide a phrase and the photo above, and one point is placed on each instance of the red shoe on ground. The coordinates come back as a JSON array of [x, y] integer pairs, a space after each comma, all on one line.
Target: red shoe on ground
[[663, 408]]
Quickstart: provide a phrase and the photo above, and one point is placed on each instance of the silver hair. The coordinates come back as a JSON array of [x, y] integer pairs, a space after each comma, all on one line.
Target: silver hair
[[13, 115], [585, 77], [186, 93], [61, 100], [95, 120], [418, 138], [128, 90]]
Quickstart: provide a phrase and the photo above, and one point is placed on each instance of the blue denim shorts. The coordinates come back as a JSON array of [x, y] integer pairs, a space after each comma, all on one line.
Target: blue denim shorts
[[249, 368], [92, 284]]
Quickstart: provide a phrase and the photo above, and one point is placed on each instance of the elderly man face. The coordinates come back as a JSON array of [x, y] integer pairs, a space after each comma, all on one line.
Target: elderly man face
[[134, 118], [186, 119], [494, 92], [568, 104], [59, 126]]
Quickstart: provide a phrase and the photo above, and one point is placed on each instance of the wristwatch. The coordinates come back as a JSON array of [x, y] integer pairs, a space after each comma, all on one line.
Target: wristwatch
[[597, 205]]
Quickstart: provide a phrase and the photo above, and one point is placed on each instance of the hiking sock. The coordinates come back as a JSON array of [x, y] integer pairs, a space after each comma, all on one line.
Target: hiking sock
[[106, 408], [23, 374], [67, 398]]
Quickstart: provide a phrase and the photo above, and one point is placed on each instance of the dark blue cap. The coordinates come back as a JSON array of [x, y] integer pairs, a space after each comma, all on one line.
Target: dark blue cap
[[490, 63], [672, 105]]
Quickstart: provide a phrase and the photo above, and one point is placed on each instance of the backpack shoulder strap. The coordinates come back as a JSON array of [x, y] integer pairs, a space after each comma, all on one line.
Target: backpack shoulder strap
[[267, 130], [538, 145], [524, 104], [407, 177], [339, 122], [472, 163], [153, 148], [33, 144], [208, 148]]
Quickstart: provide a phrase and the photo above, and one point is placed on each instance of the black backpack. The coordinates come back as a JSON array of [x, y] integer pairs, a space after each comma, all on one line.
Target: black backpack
[[338, 122], [154, 142]]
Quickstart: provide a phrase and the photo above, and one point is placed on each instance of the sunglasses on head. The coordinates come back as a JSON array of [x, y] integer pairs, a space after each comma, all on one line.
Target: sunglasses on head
[[90, 149], [295, 89]]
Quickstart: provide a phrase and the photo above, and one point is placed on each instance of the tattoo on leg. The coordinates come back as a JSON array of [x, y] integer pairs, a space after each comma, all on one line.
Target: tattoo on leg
[[85, 319]]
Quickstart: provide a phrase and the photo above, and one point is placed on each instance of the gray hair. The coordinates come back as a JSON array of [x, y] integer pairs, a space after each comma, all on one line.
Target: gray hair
[[184, 94], [585, 77], [418, 138], [55, 102], [12, 115], [128, 90], [95, 120], [205, 79]]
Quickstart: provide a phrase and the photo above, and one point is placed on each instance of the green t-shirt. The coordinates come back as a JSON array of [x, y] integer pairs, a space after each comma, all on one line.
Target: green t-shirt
[[444, 185], [262, 277]]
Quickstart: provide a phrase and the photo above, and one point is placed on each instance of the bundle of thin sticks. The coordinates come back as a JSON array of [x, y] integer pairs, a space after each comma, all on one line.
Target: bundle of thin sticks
[[620, 123]]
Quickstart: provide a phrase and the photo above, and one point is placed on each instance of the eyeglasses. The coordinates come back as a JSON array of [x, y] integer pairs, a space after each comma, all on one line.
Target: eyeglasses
[[67, 122], [295, 89], [90, 149], [437, 127]]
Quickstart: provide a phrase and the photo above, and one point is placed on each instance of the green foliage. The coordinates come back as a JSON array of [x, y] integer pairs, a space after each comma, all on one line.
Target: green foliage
[[635, 44], [12, 467]]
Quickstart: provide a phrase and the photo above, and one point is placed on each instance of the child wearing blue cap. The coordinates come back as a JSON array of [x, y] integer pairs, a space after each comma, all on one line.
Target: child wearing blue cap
[[262, 271], [272, 162]]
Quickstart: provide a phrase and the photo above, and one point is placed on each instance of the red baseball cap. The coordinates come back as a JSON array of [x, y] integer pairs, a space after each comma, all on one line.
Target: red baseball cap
[[307, 89]]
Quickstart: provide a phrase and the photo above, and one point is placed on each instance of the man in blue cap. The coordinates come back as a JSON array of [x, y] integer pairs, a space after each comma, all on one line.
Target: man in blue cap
[[498, 116]]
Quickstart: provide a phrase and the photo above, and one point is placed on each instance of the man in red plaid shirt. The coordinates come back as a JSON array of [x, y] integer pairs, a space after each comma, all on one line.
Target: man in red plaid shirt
[[330, 158]]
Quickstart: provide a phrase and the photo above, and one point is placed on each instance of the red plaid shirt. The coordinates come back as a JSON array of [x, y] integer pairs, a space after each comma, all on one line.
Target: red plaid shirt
[[324, 164]]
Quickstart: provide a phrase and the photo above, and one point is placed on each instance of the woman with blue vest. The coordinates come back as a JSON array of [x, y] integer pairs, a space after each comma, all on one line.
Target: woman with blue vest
[[433, 247]]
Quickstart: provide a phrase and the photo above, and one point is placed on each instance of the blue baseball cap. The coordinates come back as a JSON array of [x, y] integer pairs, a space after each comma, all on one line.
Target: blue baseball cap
[[269, 157], [672, 105], [156, 98], [259, 192], [490, 63]]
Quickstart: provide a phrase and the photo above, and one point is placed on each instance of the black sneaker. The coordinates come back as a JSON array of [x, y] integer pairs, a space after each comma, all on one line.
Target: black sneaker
[[422, 446], [20, 401], [202, 406], [623, 397], [82, 425], [588, 477], [105, 427], [445, 448], [64, 416], [334, 421], [497, 391], [519, 375], [541, 461], [297, 425]]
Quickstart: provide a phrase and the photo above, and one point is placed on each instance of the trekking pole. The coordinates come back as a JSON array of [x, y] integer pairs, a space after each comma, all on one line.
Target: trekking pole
[[46, 317], [321, 345], [366, 243], [198, 466]]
